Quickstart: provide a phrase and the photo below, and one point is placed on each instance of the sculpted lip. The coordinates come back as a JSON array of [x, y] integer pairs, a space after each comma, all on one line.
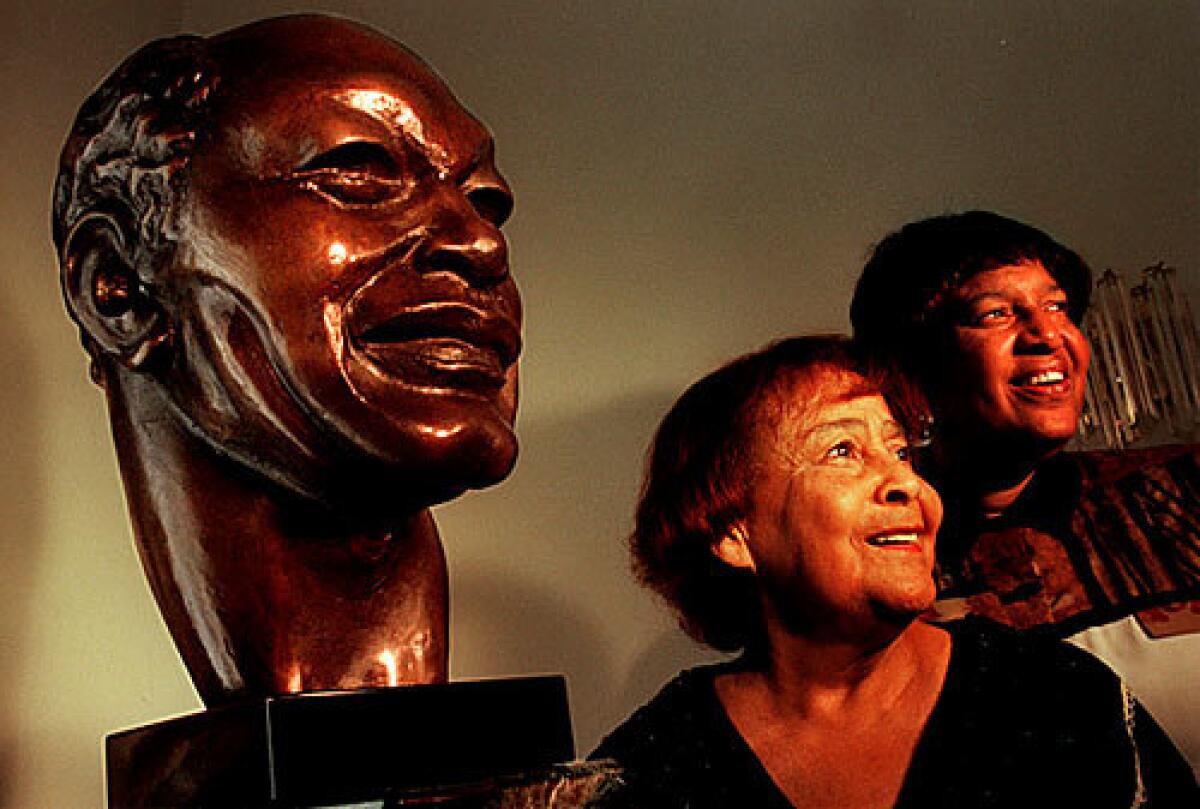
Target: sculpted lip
[[440, 344]]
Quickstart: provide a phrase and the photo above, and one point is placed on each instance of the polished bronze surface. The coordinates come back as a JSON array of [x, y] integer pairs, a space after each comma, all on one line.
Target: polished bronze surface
[[282, 247]]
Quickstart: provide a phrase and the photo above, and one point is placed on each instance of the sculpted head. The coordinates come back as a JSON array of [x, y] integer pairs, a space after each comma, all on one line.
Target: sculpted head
[[293, 230]]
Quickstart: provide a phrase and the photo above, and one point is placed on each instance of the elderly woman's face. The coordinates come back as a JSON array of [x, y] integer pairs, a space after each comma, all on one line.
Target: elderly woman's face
[[1018, 363], [841, 525]]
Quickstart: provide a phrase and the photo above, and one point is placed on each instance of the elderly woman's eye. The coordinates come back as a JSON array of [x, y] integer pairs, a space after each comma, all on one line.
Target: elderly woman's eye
[[842, 449]]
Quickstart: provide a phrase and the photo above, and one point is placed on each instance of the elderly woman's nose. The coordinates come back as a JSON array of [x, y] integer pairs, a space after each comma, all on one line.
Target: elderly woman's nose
[[899, 484]]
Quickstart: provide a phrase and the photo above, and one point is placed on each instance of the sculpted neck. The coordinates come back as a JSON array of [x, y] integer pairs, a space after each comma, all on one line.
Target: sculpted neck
[[263, 592]]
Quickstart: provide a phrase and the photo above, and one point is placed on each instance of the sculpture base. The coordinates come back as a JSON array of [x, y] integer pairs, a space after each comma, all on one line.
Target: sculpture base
[[566, 786], [373, 747]]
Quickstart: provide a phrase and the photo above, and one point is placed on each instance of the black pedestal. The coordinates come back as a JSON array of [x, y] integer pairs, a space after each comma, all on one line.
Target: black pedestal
[[331, 748]]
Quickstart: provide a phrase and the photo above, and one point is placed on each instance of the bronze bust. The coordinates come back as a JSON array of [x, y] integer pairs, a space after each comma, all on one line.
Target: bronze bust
[[282, 247]]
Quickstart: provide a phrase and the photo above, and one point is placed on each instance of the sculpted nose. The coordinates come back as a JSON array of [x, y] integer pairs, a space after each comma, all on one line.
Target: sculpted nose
[[464, 242]]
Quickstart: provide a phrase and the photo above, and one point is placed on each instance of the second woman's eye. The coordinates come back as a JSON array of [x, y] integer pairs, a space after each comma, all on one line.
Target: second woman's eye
[[991, 315]]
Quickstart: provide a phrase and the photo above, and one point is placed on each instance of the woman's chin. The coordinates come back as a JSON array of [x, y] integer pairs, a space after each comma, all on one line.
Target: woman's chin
[[901, 609]]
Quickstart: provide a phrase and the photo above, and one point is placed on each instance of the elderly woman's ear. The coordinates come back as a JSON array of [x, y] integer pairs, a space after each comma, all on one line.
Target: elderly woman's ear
[[733, 548]]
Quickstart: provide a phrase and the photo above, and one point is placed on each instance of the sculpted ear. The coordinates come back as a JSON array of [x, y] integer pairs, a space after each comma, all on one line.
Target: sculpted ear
[[105, 295], [734, 548]]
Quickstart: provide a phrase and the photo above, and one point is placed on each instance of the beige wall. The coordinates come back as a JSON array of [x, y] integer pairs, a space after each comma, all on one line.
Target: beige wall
[[692, 179]]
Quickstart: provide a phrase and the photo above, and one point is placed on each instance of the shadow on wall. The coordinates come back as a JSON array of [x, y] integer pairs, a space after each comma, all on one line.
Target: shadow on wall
[[657, 663], [22, 494], [548, 587], [526, 627]]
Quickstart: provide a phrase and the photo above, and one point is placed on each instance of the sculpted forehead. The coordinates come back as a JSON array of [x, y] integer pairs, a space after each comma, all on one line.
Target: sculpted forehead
[[291, 86], [314, 46]]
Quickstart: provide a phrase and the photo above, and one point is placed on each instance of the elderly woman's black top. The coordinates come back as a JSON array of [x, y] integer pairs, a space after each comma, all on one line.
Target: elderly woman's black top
[[1020, 722]]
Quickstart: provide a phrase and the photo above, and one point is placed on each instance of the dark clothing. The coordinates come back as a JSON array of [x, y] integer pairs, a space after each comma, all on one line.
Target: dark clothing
[[1020, 722], [1094, 537]]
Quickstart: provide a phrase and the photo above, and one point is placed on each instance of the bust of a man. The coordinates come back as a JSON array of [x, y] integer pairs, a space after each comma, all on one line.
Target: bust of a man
[[282, 248]]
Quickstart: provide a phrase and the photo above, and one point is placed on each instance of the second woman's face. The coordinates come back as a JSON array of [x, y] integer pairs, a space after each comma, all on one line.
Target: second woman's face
[[1017, 365], [842, 528]]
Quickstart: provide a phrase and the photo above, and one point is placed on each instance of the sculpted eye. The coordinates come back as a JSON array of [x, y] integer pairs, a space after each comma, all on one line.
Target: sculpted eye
[[492, 204], [355, 173], [357, 156]]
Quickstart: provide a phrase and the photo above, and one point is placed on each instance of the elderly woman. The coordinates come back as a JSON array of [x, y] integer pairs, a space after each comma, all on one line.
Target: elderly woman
[[984, 311], [781, 516]]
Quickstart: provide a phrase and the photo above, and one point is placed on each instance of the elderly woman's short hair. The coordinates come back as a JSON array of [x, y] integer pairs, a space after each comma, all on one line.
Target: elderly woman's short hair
[[701, 470], [895, 311]]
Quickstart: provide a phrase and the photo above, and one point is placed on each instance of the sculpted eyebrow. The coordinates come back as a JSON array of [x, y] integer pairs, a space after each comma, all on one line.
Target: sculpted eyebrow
[[398, 117]]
